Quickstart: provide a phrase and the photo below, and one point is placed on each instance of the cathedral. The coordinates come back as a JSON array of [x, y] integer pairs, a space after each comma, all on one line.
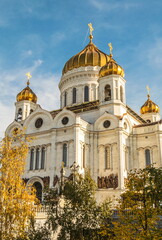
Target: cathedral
[[94, 128]]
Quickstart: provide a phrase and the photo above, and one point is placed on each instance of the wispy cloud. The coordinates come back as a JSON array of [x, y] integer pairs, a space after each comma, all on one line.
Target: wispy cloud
[[57, 38], [44, 85], [154, 53], [26, 53], [103, 5]]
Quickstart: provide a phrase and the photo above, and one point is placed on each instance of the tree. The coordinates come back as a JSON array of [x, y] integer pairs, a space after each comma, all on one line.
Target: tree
[[36, 232], [76, 214], [16, 201], [139, 207]]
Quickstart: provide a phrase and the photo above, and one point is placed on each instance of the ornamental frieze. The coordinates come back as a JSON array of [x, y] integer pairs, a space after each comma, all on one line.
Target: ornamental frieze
[[110, 181]]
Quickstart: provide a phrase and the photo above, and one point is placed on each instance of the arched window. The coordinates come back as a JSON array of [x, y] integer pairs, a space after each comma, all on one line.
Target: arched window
[[74, 95], [38, 187], [107, 158], [107, 92], [86, 94], [65, 99], [19, 115], [42, 157], [37, 159], [147, 157], [31, 159], [65, 154], [121, 94]]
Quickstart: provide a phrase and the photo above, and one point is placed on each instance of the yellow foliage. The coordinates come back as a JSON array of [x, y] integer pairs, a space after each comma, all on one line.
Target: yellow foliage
[[16, 201]]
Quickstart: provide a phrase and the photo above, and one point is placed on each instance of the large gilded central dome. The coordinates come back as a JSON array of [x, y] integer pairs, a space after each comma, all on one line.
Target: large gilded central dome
[[89, 56]]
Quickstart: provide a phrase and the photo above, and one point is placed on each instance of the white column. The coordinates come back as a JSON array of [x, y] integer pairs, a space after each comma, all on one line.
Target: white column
[[121, 163]]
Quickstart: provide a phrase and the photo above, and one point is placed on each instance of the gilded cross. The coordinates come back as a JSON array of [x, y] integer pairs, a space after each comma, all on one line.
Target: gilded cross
[[28, 77], [148, 89], [90, 28], [111, 47]]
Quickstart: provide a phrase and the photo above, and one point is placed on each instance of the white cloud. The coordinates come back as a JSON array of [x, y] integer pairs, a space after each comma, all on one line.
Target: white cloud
[[27, 53], [6, 117], [44, 85], [154, 53], [103, 5]]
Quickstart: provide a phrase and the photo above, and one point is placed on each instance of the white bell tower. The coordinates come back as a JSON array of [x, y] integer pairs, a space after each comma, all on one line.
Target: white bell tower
[[112, 87], [26, 102]]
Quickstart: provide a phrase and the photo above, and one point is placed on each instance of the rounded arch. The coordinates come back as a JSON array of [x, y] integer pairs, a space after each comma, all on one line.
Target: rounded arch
[[126, 124], [59, 117], [12, 126], [99, 123], [29, 122], [37, 183]]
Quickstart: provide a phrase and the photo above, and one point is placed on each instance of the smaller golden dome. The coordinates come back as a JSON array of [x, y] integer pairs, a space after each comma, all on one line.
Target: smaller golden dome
[[111, 67], [26, 94], [149, 107]]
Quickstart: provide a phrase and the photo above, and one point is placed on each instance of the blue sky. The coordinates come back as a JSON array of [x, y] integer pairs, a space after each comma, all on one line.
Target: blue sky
[[39, 36]]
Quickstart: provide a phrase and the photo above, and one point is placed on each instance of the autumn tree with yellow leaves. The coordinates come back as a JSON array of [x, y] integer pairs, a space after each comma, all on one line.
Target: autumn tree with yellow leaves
[[16, 200]]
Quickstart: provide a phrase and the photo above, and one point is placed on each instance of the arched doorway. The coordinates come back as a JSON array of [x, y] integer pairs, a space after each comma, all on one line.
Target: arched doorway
[[38, 187]]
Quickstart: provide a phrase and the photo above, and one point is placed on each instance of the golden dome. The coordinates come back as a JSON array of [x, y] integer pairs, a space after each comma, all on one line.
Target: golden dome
[[89, 56], [27, 94], [111, 67], [149, 107]]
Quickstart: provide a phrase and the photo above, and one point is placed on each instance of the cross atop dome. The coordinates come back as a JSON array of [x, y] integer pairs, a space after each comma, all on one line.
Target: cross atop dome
[[111, 48], [28, 78], [91, 29], [148, 91]]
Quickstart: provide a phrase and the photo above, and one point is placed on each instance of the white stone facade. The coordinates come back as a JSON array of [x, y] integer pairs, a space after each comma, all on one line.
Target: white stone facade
[[101, 134]]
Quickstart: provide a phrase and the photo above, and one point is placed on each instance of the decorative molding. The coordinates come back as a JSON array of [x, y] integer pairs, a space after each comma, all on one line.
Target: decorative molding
[[68, 142], [147, 147], [40, 146]]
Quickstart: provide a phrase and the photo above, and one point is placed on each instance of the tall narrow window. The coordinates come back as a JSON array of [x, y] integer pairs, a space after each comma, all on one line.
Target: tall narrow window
[[38, 188], [19, 115], [65, 99], [37, 159], [65, 154], [107, 92], [121, 94], [147, 157], [74, 95], [83, 157], [107, 158], [42, 157], [31, 159], [86, 94]]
